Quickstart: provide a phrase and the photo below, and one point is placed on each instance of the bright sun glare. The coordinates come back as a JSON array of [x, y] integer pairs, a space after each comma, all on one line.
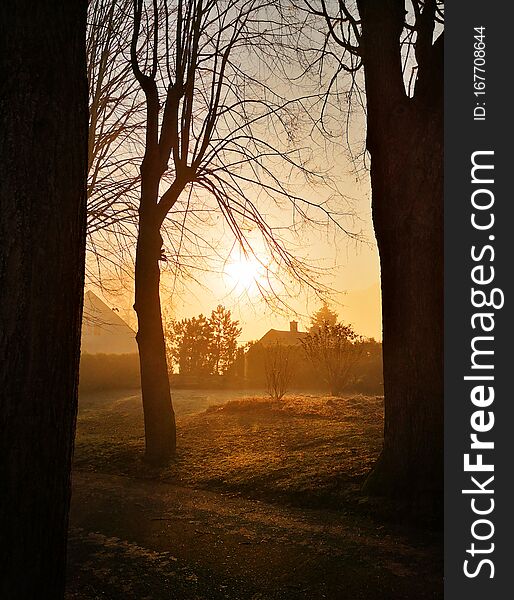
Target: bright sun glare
[[245, 275]]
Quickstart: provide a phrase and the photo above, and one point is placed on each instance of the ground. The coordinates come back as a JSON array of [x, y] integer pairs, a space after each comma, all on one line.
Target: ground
[[262, 502]]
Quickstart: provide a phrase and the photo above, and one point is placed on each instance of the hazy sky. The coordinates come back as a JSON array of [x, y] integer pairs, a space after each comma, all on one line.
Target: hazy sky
[[350, 267], [354, 279], [357, 299]]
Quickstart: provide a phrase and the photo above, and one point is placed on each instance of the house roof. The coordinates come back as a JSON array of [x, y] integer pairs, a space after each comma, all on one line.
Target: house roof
[[284, 338], [104, 331]]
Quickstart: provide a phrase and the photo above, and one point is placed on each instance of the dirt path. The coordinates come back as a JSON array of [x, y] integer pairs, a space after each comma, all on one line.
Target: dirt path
[[135, 539]]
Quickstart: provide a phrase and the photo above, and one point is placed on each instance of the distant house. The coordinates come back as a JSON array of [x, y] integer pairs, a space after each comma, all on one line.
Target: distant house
[[292, 337], [255, 370], [367, 377], [104, 331]]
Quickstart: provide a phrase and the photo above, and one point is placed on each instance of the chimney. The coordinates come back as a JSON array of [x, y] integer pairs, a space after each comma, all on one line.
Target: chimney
[[293, 326]]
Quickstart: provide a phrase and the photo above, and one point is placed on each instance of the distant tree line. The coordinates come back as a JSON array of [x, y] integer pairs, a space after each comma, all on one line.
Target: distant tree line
[[204, 351], [201, 346]]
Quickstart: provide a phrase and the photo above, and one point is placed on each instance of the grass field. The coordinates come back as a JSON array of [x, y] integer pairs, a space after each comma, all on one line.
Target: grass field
[[262, 502], [307, 449]]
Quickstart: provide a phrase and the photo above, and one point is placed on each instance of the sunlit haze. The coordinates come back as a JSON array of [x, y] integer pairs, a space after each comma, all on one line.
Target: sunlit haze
[[239, 283]]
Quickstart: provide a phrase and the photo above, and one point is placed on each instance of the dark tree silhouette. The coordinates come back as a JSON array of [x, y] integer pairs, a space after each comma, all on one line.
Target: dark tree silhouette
[[213, 130], [399, 45], [115, 149], [189, 343], [43, 152], [203, 346], [116, 117]]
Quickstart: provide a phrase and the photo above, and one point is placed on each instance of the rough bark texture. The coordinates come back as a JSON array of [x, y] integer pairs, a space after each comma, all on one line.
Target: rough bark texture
[[405, 141], [159, 417], [43, 153], [160, 431]]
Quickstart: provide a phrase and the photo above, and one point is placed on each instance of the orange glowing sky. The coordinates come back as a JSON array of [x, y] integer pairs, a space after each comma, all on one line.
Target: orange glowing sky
[[353, 273], [354, 279]]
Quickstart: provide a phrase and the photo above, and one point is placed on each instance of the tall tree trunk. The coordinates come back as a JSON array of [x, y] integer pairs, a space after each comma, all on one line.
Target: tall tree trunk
[[408, 220], [160, 431], [405, 141], [43, 152]]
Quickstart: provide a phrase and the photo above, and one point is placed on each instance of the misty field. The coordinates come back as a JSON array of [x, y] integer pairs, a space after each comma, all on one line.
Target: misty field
[[306, 449], [262, 502]]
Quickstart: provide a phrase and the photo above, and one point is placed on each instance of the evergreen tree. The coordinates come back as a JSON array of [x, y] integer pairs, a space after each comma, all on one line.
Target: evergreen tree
[[225, 332], [324, 316]]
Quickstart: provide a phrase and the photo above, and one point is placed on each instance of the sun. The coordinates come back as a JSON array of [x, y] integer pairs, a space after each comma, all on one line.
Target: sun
[[245, 275]]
